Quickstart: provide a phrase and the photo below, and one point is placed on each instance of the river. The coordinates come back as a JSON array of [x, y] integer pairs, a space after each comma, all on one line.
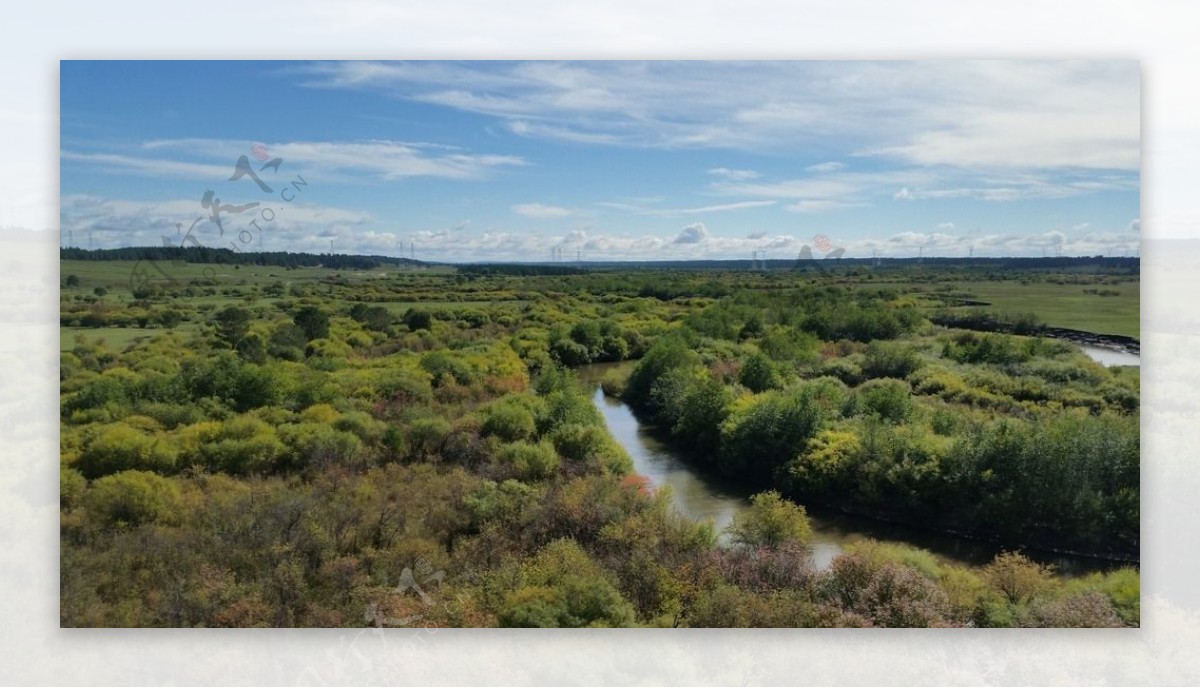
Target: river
[[701, 495], [1111, 357]]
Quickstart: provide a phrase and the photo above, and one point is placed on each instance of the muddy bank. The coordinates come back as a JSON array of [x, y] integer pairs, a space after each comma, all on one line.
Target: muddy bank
[[1117, 342]]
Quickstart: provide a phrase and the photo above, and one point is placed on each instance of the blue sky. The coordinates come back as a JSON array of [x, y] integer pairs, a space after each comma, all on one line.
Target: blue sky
[[474, 161]]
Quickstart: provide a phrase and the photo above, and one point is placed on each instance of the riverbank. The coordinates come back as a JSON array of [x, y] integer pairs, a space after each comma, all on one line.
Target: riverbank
[[699, 494], [1115, 342]]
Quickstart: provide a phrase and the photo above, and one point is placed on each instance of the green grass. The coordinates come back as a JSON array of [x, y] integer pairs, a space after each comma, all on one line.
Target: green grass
[[118, 338], [1057, 305], [1066, 305]]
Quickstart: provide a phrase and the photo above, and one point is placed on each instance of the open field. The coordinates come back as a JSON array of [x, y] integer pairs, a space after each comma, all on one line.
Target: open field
[[1067, 305]]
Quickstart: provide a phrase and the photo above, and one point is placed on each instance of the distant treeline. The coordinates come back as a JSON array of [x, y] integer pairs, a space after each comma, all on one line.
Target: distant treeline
[[520, 269], [204, 254], [1011, 263], [224, 256]]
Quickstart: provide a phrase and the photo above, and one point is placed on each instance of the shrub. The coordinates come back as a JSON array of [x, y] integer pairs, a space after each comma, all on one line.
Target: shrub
[[888, 399], [510, 420], [771, 521], [530, 461], [758, 374], [131, 498], [890, 359], [120, 447]]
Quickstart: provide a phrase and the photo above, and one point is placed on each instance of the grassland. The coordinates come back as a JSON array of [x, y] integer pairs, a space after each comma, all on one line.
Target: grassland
[[1078, 306]]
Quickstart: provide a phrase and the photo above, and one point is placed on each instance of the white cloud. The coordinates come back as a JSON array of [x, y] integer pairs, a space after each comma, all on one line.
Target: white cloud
[[945, 226], [826, 167], [902, 195], [576, 236], [538, 211], [756, 235], [112, 223], [152, 166], [333, 160], [692, 234], [1135, 225], [677, 212], [733, 175], [818, 206], [973, 114]]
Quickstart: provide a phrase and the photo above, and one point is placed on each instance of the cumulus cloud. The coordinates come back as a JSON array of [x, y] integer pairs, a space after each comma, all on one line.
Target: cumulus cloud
[[575, 236], [902, 195], [692, 234], [113, 223], [945, 226], [539, 211], [756, 235], [1135, 225]]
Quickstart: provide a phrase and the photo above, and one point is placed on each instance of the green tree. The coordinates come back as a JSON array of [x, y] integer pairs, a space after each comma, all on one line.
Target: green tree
[[766, 433], [232, 324], [771, 521], [417, 319], [758, 374], [314, 322], [287, 342]]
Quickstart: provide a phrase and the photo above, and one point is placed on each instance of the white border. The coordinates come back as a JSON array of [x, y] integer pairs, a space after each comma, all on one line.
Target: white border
[[33, 37]]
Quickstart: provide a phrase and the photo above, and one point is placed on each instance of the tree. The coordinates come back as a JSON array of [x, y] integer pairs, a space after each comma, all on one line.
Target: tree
[[251, 348], [889, 399], [771, 521], [765, 434], [287, 342], [758, 374], [314, 322], [72, 281], [418, 320], [1017, 577], [232, 324]]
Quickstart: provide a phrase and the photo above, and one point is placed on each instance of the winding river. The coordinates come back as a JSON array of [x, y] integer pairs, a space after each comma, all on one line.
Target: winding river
[[701, 495]]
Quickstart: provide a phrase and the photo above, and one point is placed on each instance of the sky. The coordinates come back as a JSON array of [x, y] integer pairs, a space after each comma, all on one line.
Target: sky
[[540, 161]]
